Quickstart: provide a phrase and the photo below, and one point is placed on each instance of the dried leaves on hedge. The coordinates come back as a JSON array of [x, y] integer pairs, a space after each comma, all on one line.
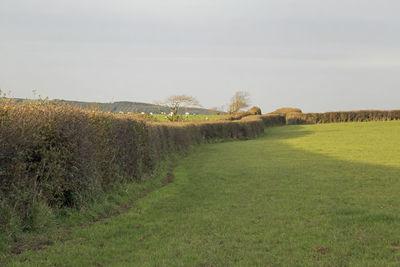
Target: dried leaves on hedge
[[64, 156]]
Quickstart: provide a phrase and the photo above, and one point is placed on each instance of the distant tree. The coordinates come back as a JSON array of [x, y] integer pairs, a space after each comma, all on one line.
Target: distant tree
[[177, 102], [238, 101], [216, 110]]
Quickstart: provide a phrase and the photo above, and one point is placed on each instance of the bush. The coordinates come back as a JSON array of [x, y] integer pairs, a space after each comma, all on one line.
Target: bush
[[273, 120], [254, 111], [342, 116], [284, 111], [54, 156], [242, 114]]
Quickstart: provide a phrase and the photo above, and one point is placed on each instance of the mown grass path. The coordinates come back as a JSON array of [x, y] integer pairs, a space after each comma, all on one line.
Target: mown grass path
[[300, 195]]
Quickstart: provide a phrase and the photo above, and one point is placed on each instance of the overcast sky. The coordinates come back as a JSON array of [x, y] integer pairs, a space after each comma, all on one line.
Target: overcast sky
[[319, 55]]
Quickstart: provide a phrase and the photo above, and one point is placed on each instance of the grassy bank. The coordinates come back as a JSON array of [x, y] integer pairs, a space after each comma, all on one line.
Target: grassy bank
[[55, 225], [300, 195]]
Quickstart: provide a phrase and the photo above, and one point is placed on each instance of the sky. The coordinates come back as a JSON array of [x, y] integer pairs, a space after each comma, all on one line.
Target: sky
[[315, 55]]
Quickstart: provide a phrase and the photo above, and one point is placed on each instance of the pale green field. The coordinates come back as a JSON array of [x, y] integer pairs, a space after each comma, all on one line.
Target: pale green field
[[163, 118], [315, 195]]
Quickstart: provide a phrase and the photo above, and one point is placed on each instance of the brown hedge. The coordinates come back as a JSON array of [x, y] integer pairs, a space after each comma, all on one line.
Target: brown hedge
[[273, 120], [64, 156], [342, 116], [284, 111], [241, 114]]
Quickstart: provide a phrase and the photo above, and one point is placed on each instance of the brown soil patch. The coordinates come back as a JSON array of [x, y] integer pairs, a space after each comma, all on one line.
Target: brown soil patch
[[322, 250]]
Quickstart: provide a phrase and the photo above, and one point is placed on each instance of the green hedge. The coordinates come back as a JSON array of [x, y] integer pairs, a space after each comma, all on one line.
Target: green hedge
[[62, 156], [342, 116]]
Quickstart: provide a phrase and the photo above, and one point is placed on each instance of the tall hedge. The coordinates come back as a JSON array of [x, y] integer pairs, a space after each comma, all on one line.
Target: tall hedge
[[64, 156]]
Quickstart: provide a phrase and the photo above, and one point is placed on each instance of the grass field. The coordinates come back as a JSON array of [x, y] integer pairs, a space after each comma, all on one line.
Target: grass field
[[163, 117], [300, 195]]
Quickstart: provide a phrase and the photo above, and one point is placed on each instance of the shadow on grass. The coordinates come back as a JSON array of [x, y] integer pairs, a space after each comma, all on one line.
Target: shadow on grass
[[346, 192], [362, 192], [291, 131]]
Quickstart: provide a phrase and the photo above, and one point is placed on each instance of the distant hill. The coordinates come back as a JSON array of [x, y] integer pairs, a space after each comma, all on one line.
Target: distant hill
[[126, 106]]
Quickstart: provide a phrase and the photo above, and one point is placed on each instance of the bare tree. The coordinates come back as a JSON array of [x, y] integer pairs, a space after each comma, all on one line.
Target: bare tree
[[240, 100], [177, 102]]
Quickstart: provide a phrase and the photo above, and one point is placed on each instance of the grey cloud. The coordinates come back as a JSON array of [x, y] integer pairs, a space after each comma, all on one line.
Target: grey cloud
[[282, 51]]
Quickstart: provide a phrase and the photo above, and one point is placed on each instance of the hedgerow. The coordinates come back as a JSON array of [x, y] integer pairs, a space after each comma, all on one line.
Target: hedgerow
[[55, 156], [241, 114], [284, 111], [342, 116]]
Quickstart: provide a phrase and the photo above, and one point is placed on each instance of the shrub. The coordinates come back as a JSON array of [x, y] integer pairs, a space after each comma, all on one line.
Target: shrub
[[284, 111], [254, 111], [55, 156], [242, 114], [273, 120], [342, 116]]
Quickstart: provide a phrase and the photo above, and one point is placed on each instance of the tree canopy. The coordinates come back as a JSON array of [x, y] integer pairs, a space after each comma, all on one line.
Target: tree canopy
[[240, 100], [177, 102]]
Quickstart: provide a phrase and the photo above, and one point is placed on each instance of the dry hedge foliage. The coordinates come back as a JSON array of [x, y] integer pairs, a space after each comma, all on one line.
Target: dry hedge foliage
[[284, 111], [63, 156], [239, 115], [296, 116], [342, 116]]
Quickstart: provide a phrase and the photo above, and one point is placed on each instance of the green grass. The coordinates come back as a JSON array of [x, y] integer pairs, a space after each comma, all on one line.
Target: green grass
[[300, 195], [163, 118]]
